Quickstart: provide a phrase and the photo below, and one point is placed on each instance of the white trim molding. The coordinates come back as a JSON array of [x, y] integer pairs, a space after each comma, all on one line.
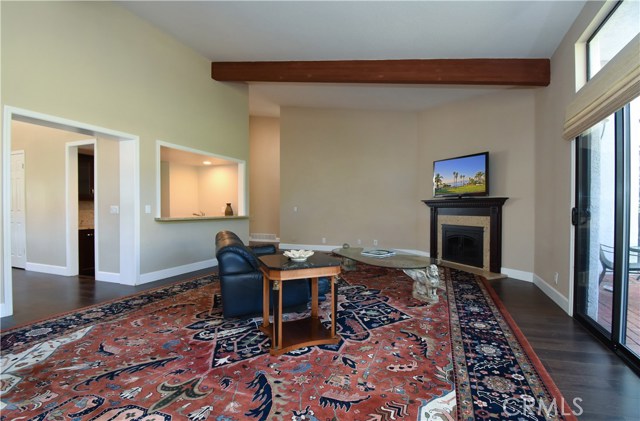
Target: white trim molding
[[6, 297], [177, 270], [50, 269], [517, 274], [552, 293], [323, 247], [109, 277]]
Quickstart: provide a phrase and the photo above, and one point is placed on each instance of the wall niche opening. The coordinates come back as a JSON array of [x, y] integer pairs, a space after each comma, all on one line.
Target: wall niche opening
[[198, 184]]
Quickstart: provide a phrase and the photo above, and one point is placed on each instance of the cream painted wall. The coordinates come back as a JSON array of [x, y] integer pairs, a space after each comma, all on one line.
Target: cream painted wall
[[218, 185], [362, 174], [352, 175], [108, 68], [183, 184], [165, 190], [45, 222], [196, 189], [264, 175], [503, 124], [107, 162], [553, 156]]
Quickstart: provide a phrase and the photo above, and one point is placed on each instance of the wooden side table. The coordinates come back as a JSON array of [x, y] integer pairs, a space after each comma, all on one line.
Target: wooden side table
[[277, 269]]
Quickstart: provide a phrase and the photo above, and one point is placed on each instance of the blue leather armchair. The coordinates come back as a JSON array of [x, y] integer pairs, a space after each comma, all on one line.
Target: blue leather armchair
[[241, 278]]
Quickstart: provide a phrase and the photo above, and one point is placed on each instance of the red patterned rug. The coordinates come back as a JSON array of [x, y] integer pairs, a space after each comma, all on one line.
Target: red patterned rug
[[168, 354]]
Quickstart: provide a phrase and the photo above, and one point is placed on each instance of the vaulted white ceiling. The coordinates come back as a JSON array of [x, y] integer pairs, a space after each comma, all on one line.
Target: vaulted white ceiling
[[361, 30]]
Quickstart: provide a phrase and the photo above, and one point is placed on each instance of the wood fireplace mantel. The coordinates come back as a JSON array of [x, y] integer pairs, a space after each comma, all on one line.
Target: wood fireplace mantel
[[470, 206]]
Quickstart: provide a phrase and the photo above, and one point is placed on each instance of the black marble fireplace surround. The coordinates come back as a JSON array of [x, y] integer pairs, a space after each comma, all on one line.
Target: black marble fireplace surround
[[470, 206], [463, 244]]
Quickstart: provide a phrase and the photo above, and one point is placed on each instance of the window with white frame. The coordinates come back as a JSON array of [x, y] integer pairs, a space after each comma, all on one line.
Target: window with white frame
[[618, 28]]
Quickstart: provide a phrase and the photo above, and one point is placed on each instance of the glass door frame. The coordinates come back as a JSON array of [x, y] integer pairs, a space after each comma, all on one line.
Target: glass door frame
[[622, 185]]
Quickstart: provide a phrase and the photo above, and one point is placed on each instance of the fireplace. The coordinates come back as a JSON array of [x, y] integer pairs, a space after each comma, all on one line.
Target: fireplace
[[482, 219], [463, 244]]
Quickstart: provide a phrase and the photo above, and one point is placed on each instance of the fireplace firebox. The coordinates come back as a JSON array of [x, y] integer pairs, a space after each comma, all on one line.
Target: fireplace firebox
[[463, 244]]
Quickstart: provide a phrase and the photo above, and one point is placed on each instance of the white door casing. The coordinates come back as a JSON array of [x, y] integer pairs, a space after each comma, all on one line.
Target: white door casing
[[129, 193], [18, 211]]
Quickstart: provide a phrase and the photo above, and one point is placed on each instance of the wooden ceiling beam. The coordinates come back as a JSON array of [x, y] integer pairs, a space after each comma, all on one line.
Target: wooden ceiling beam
[[480, 71]]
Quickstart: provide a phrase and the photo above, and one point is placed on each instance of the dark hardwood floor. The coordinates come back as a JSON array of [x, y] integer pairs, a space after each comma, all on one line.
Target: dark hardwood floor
[[39, 295], [580, 365]]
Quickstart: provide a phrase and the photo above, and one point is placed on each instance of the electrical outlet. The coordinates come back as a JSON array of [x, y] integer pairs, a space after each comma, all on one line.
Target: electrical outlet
[[324, 240], [375, 242], [555, 278], [295, 209], [359, 242]]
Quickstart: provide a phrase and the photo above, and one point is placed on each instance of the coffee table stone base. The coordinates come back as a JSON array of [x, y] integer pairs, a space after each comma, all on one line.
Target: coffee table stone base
[[425, 283]]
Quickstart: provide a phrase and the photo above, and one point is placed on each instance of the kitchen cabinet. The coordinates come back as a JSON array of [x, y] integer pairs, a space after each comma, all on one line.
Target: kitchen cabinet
[[86, 252], [85, 177]]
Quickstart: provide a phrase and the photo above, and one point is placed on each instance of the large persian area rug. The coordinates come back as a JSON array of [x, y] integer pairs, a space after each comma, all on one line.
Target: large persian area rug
[[168, 354]]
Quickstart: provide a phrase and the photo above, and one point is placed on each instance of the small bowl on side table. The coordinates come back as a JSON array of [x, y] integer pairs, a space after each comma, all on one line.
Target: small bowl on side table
[[298, 255]]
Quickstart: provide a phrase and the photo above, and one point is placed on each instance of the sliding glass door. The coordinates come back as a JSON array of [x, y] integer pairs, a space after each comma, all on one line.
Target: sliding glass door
[[607, 220], [631, 305], [594, 217]]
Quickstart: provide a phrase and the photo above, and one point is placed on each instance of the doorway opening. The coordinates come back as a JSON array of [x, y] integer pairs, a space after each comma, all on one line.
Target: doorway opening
[[121, 264], [86, 200]]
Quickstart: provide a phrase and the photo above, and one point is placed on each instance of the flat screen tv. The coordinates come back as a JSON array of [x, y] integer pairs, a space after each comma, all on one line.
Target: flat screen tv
[[462, 176]]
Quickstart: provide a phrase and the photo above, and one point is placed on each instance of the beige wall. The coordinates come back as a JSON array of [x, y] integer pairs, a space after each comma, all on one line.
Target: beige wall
[[352, 175], [503, 124], [190, 189], [165, 189], [45, 184], [361, 175], [45, 200], [107, 68], [264, 175], [107, 162], [553, 156], [183, 187], [218, 185]]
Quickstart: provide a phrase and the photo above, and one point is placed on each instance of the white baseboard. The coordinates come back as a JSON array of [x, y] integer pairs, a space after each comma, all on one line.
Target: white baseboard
[[417, 252], [175, 271], [517, 274], [263, 237], [50, 269], [323, 247], [110, 277], [552, 293]]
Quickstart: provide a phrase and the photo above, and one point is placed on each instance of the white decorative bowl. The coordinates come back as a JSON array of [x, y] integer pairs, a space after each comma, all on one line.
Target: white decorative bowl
[[298, 255]]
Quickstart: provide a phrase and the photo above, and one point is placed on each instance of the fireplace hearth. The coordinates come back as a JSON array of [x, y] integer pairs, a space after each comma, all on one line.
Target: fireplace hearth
[[463, 244]]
